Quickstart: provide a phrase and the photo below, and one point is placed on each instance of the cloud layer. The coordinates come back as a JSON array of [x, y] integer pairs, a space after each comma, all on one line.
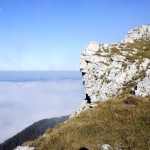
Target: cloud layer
[[21, 104]]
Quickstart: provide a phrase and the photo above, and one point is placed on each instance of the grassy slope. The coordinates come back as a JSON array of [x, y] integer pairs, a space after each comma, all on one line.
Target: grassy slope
[[121, 123]]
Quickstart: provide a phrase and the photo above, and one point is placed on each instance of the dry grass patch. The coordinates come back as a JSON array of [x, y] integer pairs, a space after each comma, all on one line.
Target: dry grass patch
[[113, 122]]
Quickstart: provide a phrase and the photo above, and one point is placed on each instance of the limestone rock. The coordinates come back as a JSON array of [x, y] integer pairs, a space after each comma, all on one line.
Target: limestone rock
[[24, 148], [108, 69], [105, 147], [141, 32], [118, 58], [143, 87]]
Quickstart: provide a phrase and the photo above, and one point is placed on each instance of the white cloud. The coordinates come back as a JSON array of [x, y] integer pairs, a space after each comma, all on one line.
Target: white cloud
[[21, 104]]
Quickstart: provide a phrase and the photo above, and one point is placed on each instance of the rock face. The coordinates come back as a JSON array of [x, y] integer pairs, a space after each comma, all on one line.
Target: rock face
[[138, 33], [107, 70]]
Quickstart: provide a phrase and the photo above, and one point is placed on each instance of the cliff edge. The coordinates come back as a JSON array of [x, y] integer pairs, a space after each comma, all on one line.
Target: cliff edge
[[110, 70]]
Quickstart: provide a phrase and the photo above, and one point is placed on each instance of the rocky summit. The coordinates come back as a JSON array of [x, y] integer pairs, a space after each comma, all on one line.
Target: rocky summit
[[109, 70]]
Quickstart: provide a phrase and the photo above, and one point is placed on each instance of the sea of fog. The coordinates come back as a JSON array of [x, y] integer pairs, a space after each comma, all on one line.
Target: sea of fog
[[26, 97]]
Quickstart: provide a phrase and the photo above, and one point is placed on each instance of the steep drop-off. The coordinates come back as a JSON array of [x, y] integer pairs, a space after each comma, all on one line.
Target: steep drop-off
[[32, 132]]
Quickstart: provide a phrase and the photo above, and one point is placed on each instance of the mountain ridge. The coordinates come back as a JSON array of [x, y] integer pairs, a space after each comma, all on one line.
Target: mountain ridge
[[32, 132], [115, 113]]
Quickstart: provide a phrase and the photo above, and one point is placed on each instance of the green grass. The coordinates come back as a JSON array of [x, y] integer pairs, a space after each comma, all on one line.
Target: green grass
[[122, 123], [124, 65], [115, 50], [143, 48]]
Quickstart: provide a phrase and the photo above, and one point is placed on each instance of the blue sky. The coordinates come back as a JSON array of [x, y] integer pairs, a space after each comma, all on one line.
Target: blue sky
[[51, 34]]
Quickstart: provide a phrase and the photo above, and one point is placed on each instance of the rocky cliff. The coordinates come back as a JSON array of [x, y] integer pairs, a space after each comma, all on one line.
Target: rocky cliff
[[119, 72], [110, 70]]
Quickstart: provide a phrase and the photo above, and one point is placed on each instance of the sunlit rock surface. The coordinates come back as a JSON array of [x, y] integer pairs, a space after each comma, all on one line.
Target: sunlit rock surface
[[108, 69], [24, 148], [138, 33]]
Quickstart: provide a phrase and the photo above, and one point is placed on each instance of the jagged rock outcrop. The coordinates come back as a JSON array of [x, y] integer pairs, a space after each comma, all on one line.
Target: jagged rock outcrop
[[141, 32], [108, 70]]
